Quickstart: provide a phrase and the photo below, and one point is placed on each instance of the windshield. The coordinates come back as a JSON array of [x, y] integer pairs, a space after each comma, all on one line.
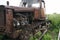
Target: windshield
[[31, 3]]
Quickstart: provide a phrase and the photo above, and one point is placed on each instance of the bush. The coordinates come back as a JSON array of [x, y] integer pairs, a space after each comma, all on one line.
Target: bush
[[47, 37], [54, 28]]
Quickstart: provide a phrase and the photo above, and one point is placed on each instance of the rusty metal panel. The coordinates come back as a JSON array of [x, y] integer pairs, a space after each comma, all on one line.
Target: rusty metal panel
[[42, 13], [20, 9], [39, 14], [36, 14], [9, 20]]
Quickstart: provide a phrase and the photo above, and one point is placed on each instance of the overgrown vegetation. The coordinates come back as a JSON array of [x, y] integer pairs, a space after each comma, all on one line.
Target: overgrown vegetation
[[1, 36], [52, 33]]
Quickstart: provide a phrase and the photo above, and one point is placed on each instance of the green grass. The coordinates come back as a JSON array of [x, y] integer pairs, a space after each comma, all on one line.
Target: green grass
[[1, 36], [52, 33], [36, 36]]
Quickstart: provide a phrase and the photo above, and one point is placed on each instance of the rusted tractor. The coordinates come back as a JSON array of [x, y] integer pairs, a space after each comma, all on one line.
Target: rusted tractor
[[18, 23]]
